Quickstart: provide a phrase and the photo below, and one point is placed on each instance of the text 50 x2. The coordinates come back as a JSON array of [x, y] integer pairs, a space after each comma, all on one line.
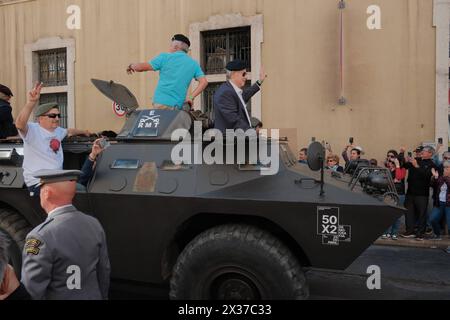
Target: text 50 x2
[[246, 310]]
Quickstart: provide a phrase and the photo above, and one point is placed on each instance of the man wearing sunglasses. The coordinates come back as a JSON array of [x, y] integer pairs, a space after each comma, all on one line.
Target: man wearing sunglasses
[[230, 100], [42, 140], [176, 72]]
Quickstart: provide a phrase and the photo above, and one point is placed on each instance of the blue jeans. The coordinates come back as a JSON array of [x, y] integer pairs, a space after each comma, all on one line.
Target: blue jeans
[[393, 230], [436, 216]]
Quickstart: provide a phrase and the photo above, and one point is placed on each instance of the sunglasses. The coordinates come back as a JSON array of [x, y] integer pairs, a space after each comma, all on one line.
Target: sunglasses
[[391, 156], [446, 158], [244, 74], [53, 115], [331, 160]]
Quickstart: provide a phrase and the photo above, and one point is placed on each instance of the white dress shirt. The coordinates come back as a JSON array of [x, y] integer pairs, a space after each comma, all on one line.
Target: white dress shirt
[[239, 93]]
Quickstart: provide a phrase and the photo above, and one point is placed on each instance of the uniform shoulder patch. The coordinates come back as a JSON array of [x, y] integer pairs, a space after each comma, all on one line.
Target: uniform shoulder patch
[[32, 246]]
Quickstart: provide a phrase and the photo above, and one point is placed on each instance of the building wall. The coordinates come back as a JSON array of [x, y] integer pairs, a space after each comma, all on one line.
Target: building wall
[[389, 73]]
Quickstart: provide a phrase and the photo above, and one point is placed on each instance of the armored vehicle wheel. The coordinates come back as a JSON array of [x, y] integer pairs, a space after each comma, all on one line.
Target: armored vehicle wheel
[[237, 262], [15, 228]]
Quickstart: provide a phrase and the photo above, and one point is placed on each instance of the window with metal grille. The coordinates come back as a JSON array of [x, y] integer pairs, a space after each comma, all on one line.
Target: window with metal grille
[[61, 100], [53, 67], [223, 46], [209, 99]]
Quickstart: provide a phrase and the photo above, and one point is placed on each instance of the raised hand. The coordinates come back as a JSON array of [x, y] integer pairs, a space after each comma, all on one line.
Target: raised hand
[[435, 173], [262, 75], [130, 69], [35, 94]]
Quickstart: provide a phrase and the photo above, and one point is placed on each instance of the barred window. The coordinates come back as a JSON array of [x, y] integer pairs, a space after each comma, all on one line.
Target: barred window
[[53, 67], [209, 99], [218, 48], [223, 46], [61, 99]]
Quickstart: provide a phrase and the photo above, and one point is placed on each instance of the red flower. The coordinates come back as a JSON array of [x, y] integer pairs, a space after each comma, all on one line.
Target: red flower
[[55, 145]]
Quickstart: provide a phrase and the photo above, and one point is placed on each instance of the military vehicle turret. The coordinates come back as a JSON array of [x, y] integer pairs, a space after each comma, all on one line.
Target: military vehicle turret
[[208, 231]]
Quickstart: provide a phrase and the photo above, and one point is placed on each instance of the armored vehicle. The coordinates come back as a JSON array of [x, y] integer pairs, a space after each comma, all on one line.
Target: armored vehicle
[[219, 231]]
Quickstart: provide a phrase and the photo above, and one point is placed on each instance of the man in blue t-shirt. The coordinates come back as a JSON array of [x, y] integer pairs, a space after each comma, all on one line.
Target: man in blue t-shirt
[[176, 71]]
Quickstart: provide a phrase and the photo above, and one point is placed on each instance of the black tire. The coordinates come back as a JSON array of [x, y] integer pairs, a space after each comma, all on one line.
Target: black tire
[[15, 228], [237, 262]]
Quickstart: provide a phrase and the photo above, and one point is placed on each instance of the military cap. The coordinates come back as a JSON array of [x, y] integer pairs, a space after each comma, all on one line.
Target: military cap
[[236, 65], [5, 90], [44, 108], [182, 38], [54, 176]]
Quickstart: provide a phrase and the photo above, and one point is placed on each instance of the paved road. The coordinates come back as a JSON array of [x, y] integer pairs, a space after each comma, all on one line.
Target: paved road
[[406, 273]]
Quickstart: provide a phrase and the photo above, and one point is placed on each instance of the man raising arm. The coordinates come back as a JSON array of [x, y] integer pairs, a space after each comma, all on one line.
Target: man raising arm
[[176, 71], [42, 140]]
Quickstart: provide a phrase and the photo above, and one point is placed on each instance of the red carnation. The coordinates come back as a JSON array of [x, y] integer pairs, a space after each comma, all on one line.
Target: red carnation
[[55, 145]]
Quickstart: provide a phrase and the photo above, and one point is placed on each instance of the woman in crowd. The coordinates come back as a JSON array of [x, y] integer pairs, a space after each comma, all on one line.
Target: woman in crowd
[[333, 163], [441, 199], [395, 165]]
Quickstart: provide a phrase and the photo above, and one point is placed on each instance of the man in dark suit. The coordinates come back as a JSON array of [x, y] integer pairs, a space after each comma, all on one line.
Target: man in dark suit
[[231, 98]]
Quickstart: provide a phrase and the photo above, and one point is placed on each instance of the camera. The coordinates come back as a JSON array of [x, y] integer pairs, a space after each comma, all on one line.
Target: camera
[[441, 141], [351, 140]]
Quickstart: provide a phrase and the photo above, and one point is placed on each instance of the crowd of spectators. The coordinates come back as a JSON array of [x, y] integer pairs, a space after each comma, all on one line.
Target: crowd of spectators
[[417, 176]]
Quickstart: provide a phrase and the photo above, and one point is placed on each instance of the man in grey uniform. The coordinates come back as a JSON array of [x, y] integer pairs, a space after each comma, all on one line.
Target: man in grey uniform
[[66, 257]]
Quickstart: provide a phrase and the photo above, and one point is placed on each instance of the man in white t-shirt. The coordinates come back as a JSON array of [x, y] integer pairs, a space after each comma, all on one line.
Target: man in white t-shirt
[[42, 140]]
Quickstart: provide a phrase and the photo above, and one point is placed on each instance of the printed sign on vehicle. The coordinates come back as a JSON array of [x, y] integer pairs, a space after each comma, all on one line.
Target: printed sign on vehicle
[[329, 227], [148, 124]]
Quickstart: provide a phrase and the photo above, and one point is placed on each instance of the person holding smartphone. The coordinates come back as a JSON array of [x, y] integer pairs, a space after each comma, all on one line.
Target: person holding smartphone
[[416, 202], [441, 199], [89, 165], [445, 157], [394, 162], [351, 152]]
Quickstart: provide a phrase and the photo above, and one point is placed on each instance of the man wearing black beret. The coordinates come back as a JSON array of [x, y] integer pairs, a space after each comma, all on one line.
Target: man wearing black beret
[[7, 127], [176, 72], [230, 100]]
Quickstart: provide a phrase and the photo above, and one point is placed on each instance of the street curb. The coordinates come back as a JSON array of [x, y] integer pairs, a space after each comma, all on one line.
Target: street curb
[[402, 242]]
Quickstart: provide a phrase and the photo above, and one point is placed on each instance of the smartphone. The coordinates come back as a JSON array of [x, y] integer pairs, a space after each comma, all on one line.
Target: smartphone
[[441, 141], [351, 140], [104, 143], [313, 139], [410, 154]]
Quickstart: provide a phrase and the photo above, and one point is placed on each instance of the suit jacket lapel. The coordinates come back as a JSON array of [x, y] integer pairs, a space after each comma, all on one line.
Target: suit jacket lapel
[[237, 97]]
